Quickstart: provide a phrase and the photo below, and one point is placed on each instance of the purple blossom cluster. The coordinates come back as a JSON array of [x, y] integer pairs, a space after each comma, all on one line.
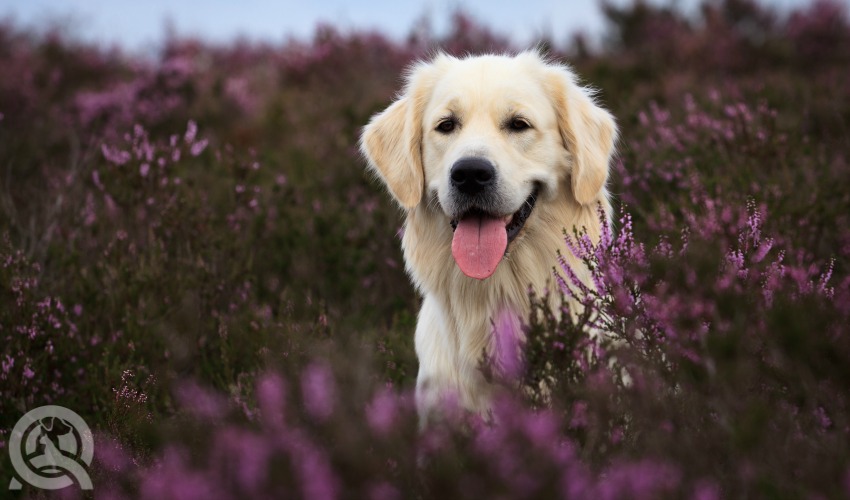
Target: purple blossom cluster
[[285, 448], [43, 350]]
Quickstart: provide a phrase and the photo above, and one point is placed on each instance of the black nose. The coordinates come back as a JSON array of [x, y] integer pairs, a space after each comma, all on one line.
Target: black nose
[[472, 175]]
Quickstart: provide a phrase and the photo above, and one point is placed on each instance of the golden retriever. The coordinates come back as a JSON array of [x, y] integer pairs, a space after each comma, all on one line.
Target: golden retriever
[[491, 158]]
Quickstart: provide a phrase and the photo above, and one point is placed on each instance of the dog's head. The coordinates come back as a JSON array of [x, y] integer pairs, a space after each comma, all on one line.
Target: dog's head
[[487, 138]]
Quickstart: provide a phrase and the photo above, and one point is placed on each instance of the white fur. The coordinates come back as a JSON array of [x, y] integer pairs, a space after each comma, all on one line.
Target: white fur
[[567, 152]]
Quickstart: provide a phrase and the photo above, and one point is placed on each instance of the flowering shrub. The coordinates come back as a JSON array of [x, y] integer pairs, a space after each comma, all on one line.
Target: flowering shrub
[[43, 349], [701, 350], [194, 260]]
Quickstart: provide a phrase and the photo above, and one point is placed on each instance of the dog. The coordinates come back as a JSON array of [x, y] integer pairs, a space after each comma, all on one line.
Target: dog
[[491, 158]]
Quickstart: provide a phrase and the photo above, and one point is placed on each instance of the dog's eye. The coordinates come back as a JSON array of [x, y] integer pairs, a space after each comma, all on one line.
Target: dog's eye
[[518, 124], [447, 126]]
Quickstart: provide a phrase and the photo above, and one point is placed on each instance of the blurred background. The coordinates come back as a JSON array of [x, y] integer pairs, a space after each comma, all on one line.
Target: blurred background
[[193, 258], [139, 27]]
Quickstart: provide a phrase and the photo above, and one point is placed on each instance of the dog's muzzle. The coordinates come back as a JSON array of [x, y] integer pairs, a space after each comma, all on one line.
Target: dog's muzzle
[[482, 231]]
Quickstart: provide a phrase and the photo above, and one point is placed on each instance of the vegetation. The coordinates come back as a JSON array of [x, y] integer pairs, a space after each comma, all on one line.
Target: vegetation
[[193, 259]]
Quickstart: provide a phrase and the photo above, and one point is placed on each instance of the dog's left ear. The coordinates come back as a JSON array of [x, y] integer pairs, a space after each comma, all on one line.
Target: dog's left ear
[[587, 130]]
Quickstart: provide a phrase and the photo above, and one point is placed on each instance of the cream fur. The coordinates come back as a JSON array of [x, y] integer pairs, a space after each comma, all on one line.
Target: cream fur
[[566, 152]]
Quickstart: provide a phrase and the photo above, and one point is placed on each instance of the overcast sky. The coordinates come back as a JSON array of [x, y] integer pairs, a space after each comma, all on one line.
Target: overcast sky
[[138, 25]]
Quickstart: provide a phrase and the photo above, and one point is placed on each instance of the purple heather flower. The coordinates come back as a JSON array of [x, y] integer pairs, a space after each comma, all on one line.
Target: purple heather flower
[[191, 132], [198, 147], [384, 491], [318, 390], [382, 411], [112, 455], [271, 396], [201, 402], [7, 364], [506, 344], [317, 476]]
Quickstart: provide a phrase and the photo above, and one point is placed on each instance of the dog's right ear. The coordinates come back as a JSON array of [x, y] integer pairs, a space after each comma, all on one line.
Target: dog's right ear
[[392, 141]]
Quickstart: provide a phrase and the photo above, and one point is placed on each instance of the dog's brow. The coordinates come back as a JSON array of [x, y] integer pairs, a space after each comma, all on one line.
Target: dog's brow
[[513, 108], [452, 106]]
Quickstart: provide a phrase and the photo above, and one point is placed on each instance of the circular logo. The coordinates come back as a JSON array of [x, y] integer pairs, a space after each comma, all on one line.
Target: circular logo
[[50, 447]]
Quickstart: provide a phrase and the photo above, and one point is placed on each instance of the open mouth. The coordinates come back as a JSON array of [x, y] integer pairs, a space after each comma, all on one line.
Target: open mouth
[[481, 239], [517, 221]]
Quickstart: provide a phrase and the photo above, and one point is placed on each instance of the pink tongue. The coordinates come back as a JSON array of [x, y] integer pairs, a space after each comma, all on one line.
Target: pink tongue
[[479, 244]]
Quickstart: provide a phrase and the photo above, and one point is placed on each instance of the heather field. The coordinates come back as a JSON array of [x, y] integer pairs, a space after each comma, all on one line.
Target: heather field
[[193, 258]]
